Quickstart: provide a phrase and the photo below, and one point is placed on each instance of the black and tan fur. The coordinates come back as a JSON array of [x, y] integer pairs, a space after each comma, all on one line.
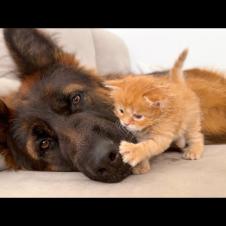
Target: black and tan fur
[[61, 119]]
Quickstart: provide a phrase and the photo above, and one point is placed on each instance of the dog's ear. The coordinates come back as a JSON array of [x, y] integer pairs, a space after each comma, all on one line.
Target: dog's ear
[[4, 121], [31, 49]]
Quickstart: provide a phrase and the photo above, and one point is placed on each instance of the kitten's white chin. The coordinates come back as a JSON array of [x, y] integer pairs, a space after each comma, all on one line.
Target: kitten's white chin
[[133, 129]]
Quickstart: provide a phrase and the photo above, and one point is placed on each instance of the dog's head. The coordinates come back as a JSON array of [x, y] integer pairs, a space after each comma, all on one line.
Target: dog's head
[[62, 116]]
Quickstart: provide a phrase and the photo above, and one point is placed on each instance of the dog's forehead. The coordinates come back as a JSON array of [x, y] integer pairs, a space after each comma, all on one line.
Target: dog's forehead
[[56, 86], [61, 75], [56, 80]]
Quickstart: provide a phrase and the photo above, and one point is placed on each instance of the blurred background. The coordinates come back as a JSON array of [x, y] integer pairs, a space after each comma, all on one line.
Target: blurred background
[[149, 50], [152, 49]]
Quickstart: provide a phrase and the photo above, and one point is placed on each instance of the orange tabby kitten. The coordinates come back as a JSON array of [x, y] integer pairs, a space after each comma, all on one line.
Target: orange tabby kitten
[[159, 111]]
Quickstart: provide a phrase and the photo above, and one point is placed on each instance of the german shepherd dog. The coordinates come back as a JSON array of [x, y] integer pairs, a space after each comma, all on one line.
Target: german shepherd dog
[[61, 118]]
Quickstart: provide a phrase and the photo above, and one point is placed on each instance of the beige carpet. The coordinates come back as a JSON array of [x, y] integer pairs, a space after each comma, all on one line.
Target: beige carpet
[[171, 176]]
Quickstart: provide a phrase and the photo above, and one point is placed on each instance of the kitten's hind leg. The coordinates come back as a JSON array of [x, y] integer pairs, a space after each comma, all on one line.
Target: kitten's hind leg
[[142, 168], [195, 140], [181, 142]]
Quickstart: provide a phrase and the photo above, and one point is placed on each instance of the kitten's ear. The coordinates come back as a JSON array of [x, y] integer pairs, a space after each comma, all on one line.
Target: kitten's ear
[[114, 85], [156, 104]]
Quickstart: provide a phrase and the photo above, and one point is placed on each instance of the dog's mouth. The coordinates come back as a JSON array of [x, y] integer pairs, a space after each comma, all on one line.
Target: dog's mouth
[[107, 174], [113, 178]]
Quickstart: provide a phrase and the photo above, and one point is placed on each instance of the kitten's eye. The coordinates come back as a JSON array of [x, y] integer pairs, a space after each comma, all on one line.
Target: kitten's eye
[[76, 99], [139, 117], [121, 111], [45, 144]]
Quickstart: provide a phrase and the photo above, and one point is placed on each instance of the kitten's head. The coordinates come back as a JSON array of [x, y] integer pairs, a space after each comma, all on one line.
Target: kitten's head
[[138, 101]]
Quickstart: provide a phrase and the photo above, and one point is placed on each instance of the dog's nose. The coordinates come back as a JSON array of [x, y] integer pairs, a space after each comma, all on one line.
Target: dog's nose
[[98, 157], [104, 162], [107, 157]]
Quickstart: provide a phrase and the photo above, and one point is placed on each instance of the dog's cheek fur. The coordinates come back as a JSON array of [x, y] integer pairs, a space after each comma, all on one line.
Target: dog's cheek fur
[[4, 123], [22, 159]]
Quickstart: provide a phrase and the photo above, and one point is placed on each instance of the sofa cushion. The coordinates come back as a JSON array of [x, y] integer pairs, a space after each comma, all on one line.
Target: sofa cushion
[[112, 55], [95, 48], [170, 176], [77, 41]]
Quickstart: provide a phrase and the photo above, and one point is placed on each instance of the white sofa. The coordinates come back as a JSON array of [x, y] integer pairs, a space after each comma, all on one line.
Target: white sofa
[[171, 176]]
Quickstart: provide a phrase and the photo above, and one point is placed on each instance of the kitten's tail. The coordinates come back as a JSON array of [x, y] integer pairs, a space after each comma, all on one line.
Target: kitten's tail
[[176, 73]]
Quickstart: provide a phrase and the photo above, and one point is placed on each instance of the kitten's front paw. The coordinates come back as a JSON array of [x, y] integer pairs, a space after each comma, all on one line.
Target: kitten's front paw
[[142, 168], [131, 153], [192, 155]]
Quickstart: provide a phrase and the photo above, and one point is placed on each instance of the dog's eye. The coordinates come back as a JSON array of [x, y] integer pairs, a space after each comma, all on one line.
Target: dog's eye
[[76, 99], [45, 144]]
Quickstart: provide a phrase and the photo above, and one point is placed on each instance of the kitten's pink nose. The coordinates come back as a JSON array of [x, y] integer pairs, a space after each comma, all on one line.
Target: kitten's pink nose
[[126, 123]]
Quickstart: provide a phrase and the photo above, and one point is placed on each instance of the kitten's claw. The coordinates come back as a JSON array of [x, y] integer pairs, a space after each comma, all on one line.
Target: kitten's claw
[[125, 147], [192, 155], [131, 153], [127, 159]]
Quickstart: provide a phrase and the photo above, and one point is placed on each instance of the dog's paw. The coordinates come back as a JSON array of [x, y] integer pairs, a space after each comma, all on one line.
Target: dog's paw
[[142, 168], [131, 153]]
